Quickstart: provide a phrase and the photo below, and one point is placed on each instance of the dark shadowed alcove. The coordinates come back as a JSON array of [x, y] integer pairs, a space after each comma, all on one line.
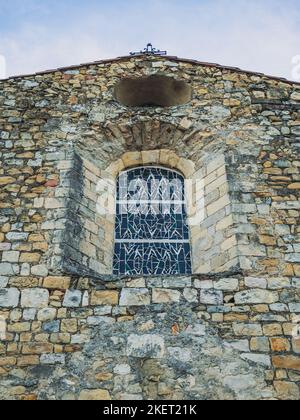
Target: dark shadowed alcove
[[158, 91]]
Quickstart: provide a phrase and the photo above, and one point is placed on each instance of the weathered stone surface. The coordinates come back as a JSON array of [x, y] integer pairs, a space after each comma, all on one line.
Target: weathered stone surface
[[100, 320], [260, 344], [180, 354], [3, 282], [105, 298], [94, 395], [230, 284], [122, 369], [135, 297], [62, 133], [7, 269], [47, 314], [39, 270], [34, 298], [247, 330], [72, 299], [177, 283], [165, 296], [239, 345], [191, 295], [280, 345], [240, 382], [9, 298], [256, 296], [257, 358], [53, 359], [148, 345], [211, 297], [287, 390], [60, 283], [256, 282], [287, 362]]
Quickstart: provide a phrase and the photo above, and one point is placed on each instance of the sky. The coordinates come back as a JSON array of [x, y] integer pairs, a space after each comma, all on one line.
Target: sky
[[257, 35]]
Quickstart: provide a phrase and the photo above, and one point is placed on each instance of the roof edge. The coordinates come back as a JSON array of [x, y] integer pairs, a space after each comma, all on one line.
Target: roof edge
[[168, 57]]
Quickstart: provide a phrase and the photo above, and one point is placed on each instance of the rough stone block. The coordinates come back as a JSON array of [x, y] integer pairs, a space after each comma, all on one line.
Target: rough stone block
[[165, 296], [177, 283], [190, 295], [260, 359], [256, 296], [260, 344], [145, 346], [46, 314], [135, 297], [256, 283], [287, 390], [100, 320], [211, 297], [59, 283], [7, 269], [72, 299], [94, 395], [286, 362], [34, 298], [39, 270], [104, 297], [229, 284], [10, 256], [51, 327], [279, 345], [272, 330], [122, 369], [9, 298], [3, 282], [37, 348], [251, 330], [53, 359]]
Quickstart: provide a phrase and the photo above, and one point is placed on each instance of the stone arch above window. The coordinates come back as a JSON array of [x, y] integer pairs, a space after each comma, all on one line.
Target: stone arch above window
[[151, 232], [83, 242]]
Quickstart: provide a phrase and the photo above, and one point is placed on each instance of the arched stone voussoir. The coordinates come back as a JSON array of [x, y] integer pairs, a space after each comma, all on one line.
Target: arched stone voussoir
[[164, 157], [152, 133]]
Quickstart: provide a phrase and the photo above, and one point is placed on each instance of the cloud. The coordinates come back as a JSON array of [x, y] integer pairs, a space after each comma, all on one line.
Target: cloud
[[261, 35]]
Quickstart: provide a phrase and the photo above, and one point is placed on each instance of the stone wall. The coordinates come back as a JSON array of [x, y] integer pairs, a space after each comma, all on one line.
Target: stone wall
[[159, 338], [68, 329]]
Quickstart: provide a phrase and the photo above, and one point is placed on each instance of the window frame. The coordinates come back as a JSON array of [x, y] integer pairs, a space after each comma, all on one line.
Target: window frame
[[186, 218]]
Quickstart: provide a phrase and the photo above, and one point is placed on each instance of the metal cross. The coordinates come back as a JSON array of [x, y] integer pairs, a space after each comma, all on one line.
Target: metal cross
[[149, 50]]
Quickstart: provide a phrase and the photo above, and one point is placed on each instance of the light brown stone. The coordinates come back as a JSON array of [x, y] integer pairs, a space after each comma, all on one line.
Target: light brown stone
[[105, 298], [29, 257], [94, 395], [165, 296], [7, 361], [286, 362], [287, 390], [272, 330], [132, 159], [294, 186], [4, 180], [103, 377], [267, 240], [296, 345], [37, 348], [69, 325], [280, 344], [28, 361], [60, 283]]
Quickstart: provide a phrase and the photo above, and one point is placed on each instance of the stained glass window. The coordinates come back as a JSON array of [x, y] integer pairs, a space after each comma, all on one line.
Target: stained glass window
[[152, 234]]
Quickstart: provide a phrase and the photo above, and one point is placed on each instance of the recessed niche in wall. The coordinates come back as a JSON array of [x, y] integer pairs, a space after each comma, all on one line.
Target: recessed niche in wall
[[157, 91]]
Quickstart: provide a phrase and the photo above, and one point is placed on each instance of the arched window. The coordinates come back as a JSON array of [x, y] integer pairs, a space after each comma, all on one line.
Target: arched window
[[151, 234]]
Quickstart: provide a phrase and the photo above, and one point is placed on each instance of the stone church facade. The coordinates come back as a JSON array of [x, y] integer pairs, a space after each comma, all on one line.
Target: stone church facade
[[78, 320]]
